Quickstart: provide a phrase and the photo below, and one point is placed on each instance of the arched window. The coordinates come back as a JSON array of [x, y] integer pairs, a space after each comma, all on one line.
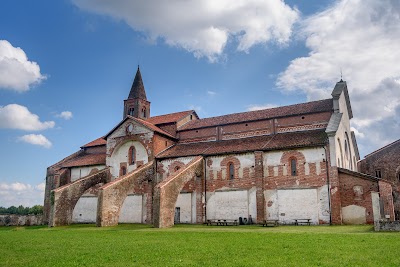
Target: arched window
[[122, 171], [293, 167], [341, 153], [231, 168], [131, 110], [144, 112], [132, 155]]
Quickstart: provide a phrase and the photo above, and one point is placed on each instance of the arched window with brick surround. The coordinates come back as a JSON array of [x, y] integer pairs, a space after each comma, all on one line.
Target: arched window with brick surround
[[144, 112], [132, 155], [231, 171], [293, 166]]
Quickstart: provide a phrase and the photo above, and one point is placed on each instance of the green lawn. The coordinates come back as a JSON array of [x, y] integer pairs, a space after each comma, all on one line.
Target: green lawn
[[198, 245]]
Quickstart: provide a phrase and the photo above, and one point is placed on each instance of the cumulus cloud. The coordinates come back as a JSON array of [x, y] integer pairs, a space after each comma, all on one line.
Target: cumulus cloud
[[66, 115], [16, 71], [203, 27], [14, 116], [259, 107], [362, 38], [15, 194], [36, 139]]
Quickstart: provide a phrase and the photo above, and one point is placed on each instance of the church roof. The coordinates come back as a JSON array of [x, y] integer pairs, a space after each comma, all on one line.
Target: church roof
[[304, 108], [172, 117], [260, 143], [86, 160], [137, 89], [98, 142], [142, 122]]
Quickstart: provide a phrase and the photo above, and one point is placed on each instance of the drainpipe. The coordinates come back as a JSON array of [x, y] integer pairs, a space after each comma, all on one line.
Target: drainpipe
[[205, 189], [329, 186]]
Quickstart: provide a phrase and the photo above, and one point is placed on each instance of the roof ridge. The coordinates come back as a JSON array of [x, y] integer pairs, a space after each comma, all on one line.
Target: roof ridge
[[379, 149], [258, 114]]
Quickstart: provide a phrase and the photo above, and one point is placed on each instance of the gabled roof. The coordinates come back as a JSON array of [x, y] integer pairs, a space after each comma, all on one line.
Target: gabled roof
[[383, 148], [260, 143], [98, 142], [340, 87], [172, 117], [304, 108], [143, 123], [86, 160], [137, 89]]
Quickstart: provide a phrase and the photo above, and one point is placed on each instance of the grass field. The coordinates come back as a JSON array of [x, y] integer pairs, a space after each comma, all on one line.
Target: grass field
[[198, 245]]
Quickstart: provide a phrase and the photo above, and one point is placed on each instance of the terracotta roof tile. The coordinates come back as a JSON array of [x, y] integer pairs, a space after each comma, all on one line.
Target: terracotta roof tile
[[168, 118], [151, 126], [86, 160], [304, 108], [98, 142], [261, 143]]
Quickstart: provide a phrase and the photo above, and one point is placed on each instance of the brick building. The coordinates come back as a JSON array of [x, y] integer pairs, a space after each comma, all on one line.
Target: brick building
[[385, 163], [285, 163]]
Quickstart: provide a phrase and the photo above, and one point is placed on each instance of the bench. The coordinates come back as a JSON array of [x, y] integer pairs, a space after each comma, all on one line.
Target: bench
[[272, 223], [302, 221], [222, 222]]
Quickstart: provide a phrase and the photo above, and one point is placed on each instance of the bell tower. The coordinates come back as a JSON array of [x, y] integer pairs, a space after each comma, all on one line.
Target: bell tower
[[136, 105]]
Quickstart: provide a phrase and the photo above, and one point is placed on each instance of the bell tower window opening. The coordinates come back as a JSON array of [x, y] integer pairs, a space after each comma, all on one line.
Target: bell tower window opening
[[132, 155], [131, 111], [144, 112], [378, 173], [231, 169], [293, 167]]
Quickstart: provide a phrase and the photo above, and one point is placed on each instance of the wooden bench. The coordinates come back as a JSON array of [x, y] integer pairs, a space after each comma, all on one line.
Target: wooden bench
[[272, 223], [222, 222], [302, 221]]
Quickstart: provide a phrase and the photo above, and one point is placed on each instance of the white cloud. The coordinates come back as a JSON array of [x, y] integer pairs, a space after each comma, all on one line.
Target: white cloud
[[362, 38], [14, 116], [15, 194], [36, 139], [259, 107], [211, 93], [203, 27], [66, 115], [16, 71]]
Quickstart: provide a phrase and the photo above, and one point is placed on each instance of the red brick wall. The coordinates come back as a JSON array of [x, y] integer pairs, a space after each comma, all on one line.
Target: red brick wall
[[160, 143], [385, 192], [349, 195]]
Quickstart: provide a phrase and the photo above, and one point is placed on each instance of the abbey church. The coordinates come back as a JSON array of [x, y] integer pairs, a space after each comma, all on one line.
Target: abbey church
[[283, 164]]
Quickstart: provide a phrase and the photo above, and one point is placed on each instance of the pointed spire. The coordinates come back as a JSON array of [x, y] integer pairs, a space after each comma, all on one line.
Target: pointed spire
[[137, 89]]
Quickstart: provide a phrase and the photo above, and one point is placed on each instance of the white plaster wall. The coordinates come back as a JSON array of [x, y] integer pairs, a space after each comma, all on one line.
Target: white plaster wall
[[311, 155], [231, 205], [323, 204], [298, 204], [168, 162], [271, 204], [376, 206], [246, 161], [344, 127], [132, 210], [79, 172], [146, 137], [121, 154], [184, 202], [354, 214], [85, 210]]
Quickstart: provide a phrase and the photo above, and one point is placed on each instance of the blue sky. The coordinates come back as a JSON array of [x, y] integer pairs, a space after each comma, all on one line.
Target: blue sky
[[66, 67]]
